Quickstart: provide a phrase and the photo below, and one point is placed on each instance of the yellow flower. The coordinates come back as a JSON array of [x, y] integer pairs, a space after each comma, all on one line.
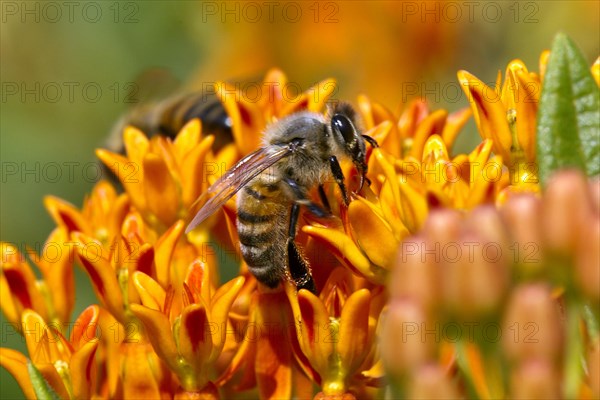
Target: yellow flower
[[191, 341], [507, 115], [66, 364], [336, 332], [53, 296], [101, 216], [162, 177]]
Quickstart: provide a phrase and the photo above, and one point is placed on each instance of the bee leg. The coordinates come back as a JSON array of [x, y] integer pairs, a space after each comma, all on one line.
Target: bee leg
[[299, 268], [338, 175], [371, 141], [324, 200], [302, 199]]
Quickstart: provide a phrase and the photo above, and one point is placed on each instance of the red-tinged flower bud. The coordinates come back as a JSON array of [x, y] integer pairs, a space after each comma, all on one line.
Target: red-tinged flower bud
[[593, 360], [474, 276], [431, 382], [414, 275], [587, 260], [485, 221], [407, 340], [532, 327], [535, 379], [522, 216], [567, 206], [443, 226]]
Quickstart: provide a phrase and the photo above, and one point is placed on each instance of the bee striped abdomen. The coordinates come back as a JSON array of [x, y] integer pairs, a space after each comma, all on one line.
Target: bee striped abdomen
[[262, 230]]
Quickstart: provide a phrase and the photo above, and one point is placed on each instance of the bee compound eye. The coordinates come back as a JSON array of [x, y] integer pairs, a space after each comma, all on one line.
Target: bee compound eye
[[342, 124]]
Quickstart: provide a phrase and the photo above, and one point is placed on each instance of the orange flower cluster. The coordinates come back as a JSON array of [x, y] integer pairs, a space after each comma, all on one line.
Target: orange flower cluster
[[166, 326]]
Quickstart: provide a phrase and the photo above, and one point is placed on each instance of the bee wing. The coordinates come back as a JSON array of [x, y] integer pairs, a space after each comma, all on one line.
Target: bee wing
[[235, 179]]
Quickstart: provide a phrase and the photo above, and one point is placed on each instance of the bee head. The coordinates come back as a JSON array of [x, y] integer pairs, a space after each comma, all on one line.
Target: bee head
[[345, 129]]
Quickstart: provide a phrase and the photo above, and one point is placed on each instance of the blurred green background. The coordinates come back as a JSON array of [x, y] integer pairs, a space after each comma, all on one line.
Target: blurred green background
[[70, 69]]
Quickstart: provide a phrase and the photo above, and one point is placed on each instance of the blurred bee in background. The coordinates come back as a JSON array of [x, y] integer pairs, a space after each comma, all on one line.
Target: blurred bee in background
[[300, 152], [168, 116]]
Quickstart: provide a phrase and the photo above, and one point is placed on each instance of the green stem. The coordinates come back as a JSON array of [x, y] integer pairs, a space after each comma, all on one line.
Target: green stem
[[574, 350]]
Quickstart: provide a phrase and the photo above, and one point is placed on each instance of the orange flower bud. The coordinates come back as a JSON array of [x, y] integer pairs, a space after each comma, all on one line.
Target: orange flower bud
[[567, 207], [532, 327], [404, 344], [415, 273], [587, 260], [535, 379], [430, 382], [474, 276]]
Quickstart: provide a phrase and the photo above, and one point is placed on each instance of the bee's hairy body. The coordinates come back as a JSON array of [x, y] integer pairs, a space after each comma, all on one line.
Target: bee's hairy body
[[299, 152], [264, 203]]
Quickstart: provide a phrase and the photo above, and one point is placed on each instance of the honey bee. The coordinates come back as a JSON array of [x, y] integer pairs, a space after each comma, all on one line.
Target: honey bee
[[300, 152], [169, 116]]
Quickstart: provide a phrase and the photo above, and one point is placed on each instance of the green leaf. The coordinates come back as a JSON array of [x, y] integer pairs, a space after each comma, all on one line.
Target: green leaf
[[41, 387], [568, 126]]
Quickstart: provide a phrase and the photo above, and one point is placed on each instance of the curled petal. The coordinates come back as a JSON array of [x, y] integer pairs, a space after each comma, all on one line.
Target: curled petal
[[373, 234], [159, 333], [246, 117], [346, 250], [160, 191], [83, 370], [433, 124], [314, 326], [66, 215], [84, 329], [164, 248], [101, 273], [220, 306], [151, 293], [129, 172], [489, 113], [454, 123], [194, 168], [187, 138], [353, 344], [16, 364], [195, 337]]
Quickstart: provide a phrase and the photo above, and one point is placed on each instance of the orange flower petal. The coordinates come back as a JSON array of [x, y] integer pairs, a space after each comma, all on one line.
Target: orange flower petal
[[158, 329], [489, 113], [353, 344], [346, 251], [596, 71], [66, 215], [194, 170], [16, 364], [220, 306], [372, 233], [454, 123], [83, 370], [272, 364], [101, 274], [129, 173], [164, 248], [160, 191], [56, 265], [433, 124], [247, 118], [151, 293], [84, 329], [41, 340], [187, 138], [313, 328], [196, 337]]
